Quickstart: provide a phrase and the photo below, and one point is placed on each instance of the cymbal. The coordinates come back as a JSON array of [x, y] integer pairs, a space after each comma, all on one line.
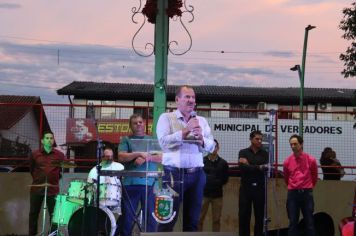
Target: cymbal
[[43, 185], [64, 164]]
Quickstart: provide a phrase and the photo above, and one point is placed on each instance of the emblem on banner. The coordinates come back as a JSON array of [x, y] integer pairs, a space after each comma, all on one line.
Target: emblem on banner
[[163, 209]]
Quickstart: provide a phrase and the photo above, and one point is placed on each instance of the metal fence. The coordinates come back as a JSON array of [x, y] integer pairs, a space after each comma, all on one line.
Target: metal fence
[[74, 127]]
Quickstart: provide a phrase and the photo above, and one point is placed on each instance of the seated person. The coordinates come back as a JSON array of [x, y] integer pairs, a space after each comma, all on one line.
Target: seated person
[[108, 163]]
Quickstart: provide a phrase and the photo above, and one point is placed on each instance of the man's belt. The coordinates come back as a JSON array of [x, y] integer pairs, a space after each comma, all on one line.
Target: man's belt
[[183, 170], [120, 173], [301, 190]]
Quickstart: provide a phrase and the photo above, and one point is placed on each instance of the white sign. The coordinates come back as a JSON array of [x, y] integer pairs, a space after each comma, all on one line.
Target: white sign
[[233, 135]]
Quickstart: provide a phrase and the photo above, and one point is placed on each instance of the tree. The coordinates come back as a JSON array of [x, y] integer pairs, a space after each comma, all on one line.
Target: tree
[[348, 24]]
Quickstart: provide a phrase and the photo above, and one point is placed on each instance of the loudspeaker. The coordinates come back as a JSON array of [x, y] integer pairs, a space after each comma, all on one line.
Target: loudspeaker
[[190, 234]]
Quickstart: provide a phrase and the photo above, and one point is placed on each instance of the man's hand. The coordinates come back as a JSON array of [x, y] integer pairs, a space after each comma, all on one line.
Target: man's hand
[[192, 124], [193, 131], [143, 155], [139, 161], [198, 133], [154, 157], [243, 160], [263, 167]]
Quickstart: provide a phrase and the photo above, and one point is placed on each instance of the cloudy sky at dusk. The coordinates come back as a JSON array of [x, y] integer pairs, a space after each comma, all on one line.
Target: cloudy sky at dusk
[[45, 45]]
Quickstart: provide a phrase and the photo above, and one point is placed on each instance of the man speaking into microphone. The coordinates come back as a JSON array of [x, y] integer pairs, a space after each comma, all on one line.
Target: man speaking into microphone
[[183, 136]]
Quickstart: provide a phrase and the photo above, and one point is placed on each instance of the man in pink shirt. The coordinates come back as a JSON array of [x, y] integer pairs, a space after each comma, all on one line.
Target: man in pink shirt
[[301, 174]]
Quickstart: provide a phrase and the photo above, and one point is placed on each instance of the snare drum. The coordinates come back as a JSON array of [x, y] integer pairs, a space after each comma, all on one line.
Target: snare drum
[[110, 194], [76, 191], [63, 210]]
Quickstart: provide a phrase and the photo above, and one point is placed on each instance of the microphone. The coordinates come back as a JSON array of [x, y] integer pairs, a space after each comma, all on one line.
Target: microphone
[[193, 114]]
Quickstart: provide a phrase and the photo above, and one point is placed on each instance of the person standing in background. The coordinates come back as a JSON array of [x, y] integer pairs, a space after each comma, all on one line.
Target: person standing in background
[[216, 170], [44, 169], [301, 175], [252, 162]]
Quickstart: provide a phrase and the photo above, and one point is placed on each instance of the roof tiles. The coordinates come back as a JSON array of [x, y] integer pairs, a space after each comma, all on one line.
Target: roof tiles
[[208, 93]]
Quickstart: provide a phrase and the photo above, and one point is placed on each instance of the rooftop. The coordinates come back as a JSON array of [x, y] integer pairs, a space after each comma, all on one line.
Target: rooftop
[[208, 93]]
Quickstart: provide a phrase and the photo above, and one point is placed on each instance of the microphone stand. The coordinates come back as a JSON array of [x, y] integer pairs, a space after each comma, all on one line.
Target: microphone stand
[[269, 169], [84, 217], [98, 167]]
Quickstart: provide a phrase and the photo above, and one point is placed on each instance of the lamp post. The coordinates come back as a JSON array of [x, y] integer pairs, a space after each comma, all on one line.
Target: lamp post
[[301, 73], [301, 97]]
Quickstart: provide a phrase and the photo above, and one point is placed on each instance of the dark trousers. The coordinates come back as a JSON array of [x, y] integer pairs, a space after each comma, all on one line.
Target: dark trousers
[[300, 200], [190, 187], [251, 195], [35, 208], [137, 195]]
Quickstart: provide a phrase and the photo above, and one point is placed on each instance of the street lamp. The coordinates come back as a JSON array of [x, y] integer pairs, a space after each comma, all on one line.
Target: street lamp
[[301, 97], [301, 73]]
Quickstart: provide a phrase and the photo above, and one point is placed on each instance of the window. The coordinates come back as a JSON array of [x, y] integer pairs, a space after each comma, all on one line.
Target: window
[[339, 116], [204, 113], [296, 114], [146, 113], [92, 110], [291, 112], [108, 112], [237, 111], [352, 116], [284, 112], [144, 108]]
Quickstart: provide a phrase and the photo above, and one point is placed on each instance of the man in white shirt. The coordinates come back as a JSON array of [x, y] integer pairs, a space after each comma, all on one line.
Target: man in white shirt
[[114, 183], [106, 163], [183, 137]]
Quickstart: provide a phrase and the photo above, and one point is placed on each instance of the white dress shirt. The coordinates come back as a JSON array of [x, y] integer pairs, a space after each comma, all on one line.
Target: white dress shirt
[[176, 151]]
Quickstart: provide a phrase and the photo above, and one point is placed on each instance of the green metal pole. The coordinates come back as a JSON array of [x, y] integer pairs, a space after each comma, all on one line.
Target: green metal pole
[[161, 62], [301, 98]]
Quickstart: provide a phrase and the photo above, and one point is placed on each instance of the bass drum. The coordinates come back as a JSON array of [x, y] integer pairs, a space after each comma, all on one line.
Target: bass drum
[[107, 224]]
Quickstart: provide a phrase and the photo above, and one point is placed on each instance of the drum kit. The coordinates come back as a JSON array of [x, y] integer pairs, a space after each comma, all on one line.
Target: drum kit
[[76, 211], [80, 198]]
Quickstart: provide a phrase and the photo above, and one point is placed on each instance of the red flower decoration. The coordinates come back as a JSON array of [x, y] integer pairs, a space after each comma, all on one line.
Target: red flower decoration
[[150, 9], [174, 8]]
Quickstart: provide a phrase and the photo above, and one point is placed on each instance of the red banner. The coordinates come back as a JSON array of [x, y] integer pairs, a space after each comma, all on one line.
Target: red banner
[[84, 130]]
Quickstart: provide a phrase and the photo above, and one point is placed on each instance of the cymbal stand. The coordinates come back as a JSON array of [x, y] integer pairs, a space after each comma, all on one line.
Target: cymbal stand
[[44, 211], [61, 213], [84, 217], [91, 114]]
